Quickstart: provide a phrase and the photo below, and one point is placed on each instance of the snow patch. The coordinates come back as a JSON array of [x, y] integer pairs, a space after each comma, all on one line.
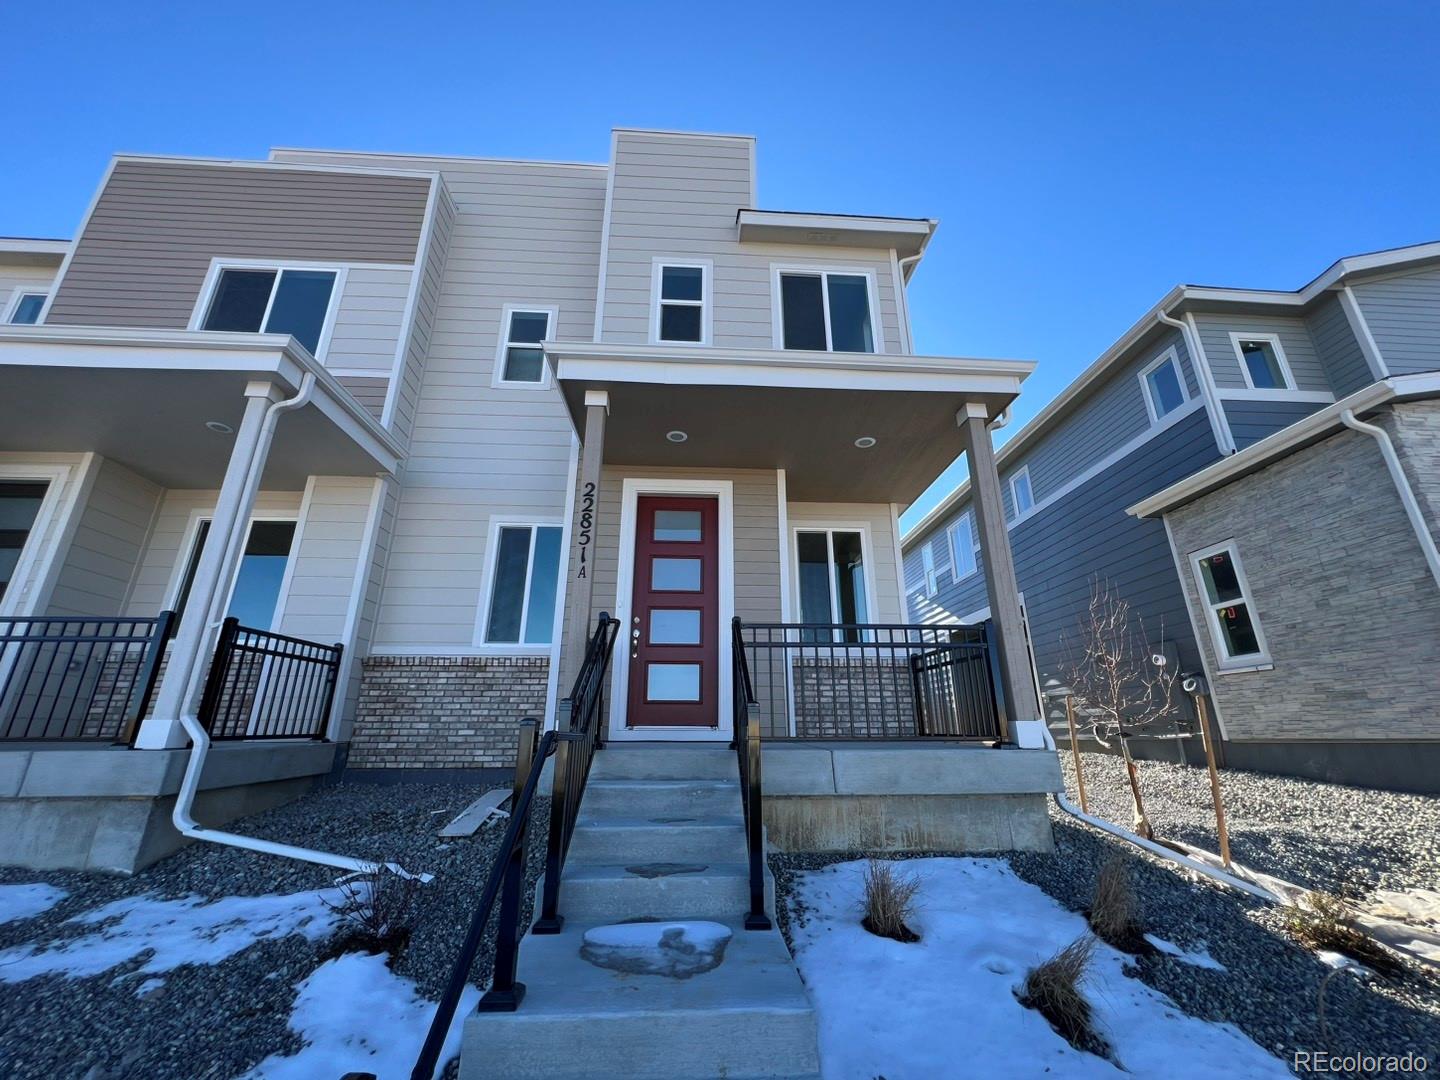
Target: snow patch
[[356, 1015], [675, 950], [190, 930], [1195, 957], [889, 1009], [26, 901]]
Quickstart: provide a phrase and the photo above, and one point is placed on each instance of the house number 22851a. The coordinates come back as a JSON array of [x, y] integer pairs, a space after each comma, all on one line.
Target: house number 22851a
[[587, 523]]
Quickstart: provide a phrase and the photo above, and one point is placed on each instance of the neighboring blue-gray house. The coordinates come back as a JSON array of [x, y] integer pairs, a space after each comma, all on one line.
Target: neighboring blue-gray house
[[1203, 374]]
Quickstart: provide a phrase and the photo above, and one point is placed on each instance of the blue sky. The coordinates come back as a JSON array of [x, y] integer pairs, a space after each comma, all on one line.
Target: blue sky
[[1082, 157]]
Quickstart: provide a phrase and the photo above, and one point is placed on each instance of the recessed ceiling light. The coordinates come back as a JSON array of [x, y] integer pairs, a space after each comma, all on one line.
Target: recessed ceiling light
[[864, 442], [219, 428], [676, 436]]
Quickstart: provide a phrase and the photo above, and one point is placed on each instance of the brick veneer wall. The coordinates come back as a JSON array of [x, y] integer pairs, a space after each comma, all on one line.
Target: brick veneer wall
[[444, 712], [1346, 602], [857, 698]]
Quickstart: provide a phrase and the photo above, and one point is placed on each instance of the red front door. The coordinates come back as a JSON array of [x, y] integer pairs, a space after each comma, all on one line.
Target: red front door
[[675, 614]]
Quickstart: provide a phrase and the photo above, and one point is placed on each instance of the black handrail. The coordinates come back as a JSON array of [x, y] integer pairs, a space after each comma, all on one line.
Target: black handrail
[[746, 736], [88, 678], [264, 685]]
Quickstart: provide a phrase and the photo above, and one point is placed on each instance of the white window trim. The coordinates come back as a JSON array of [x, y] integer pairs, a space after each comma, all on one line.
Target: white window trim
[[187, 552], [1015, 515], [36, 557], [487, 589], [24, 289], [1224, 663], [502, 342], [867, 562], [1237, 336], [952, 534], [705, 303], [777, 310], [930, 585], [1170, 356], [218, 266]]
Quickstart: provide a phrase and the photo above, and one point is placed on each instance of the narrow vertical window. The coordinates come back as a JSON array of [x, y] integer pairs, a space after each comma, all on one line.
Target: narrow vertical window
[[1022, 496], [19, 507], [1262, 362], [927, 563], [831, 565], [1164, 388], [962, 548], [524, 581], [1229, 607], [521, 359], [681, 315]]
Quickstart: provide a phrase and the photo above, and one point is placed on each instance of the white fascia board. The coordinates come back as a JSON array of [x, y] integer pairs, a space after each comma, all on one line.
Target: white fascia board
[[22, 245], [910, 235], [277, 166]]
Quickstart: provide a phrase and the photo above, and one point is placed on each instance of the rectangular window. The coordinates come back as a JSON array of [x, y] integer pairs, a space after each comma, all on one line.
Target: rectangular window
[[19, 506], [824, 311], [523, 585], [26, 309], [1262, 361], [1022, 496], [927, 565], [256, 594], [1229, 607], [831, 566], [521, 359], [1164, 388], [275, 301], [962, 548], [680, 296]]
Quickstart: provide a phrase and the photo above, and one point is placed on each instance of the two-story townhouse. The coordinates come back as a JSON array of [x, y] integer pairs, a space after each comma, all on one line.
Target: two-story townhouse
[[337, 459], [1207, 377]]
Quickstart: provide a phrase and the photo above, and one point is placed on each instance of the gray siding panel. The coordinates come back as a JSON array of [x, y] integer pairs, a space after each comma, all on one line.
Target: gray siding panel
[[369, 392], [1295, 340], [1340, 354], [1403, 313], [1251, 421], [142, 258]]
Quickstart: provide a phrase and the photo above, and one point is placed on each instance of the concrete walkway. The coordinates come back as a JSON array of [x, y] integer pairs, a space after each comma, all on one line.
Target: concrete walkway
[[654, 974]]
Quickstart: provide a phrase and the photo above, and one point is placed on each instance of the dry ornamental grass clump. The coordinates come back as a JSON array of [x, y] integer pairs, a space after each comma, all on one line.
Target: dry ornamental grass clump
[[1053, 990], [1114, 912], [1322, 921], [375, 913], [889, 901]]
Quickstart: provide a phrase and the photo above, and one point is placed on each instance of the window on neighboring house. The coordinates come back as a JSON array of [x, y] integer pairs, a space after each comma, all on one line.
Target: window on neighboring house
[[1263, 362], [1022, 496], [826, 311], [256, 594], [681, 299], [1164, 387], [1229, 607], [521, 359], [19, 506], [927, 563], [832, 580], [278, 301], [523, 583], [27, 308], [962, 548]]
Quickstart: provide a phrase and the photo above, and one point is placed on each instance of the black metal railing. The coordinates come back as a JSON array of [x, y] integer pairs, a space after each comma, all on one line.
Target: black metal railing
[[746, 733], [85, 679], [580, 732], [875, 680], [263, 685]]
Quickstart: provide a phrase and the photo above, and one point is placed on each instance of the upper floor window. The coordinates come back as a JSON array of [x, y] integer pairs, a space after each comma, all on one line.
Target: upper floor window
[[1165, 389], [681, 292], [1262, 361], [962, 548], [281, 300], [927, 565], [521, 360], [25, 308], [825, 310], [1022, 495], [1229, 607], [524, 581]]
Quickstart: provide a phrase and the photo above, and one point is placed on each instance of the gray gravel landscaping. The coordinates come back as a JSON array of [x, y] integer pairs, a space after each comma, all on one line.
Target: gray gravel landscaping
[[1344, 840], [217, 1021]]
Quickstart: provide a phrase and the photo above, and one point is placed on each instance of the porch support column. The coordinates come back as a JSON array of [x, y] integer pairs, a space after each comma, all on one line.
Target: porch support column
[[582, 565], [189, 652], [1000, 583]]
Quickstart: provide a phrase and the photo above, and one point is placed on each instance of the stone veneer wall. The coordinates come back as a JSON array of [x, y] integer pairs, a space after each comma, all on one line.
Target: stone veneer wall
[[445, 712]]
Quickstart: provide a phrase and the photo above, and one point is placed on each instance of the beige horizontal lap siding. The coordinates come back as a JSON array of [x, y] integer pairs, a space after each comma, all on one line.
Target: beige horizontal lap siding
[[880, 549], [677, 196], [104, 555], [144, 252], [326, 557], [368, 390], [518, 234], [368, 320], [14, 276]]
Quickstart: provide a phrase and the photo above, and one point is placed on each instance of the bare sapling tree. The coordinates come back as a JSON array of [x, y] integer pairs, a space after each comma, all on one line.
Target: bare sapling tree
[[1121, 681]]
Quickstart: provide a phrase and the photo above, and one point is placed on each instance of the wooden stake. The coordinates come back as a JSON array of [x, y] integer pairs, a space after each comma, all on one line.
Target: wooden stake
[[1075, 749], [1214, 779]]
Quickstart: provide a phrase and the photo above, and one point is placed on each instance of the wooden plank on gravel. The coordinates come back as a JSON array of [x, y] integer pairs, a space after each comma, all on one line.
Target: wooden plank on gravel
[[477, 813]]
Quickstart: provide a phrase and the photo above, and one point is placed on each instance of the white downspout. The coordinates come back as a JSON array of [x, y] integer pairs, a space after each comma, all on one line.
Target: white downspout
[[1223, 439], [1402, 487], [200, 739]]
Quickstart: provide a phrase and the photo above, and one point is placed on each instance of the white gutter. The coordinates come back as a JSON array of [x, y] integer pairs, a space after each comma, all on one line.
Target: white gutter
[[200, 739], [1402, 487]]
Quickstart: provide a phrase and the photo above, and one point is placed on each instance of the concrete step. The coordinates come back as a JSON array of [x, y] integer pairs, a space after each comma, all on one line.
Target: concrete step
[[747, 1016], [659, 889], [664, 761], [674, 799], [632, 839]]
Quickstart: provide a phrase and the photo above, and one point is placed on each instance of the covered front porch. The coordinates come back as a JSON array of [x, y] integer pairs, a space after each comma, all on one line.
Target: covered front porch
[[191, 522]]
